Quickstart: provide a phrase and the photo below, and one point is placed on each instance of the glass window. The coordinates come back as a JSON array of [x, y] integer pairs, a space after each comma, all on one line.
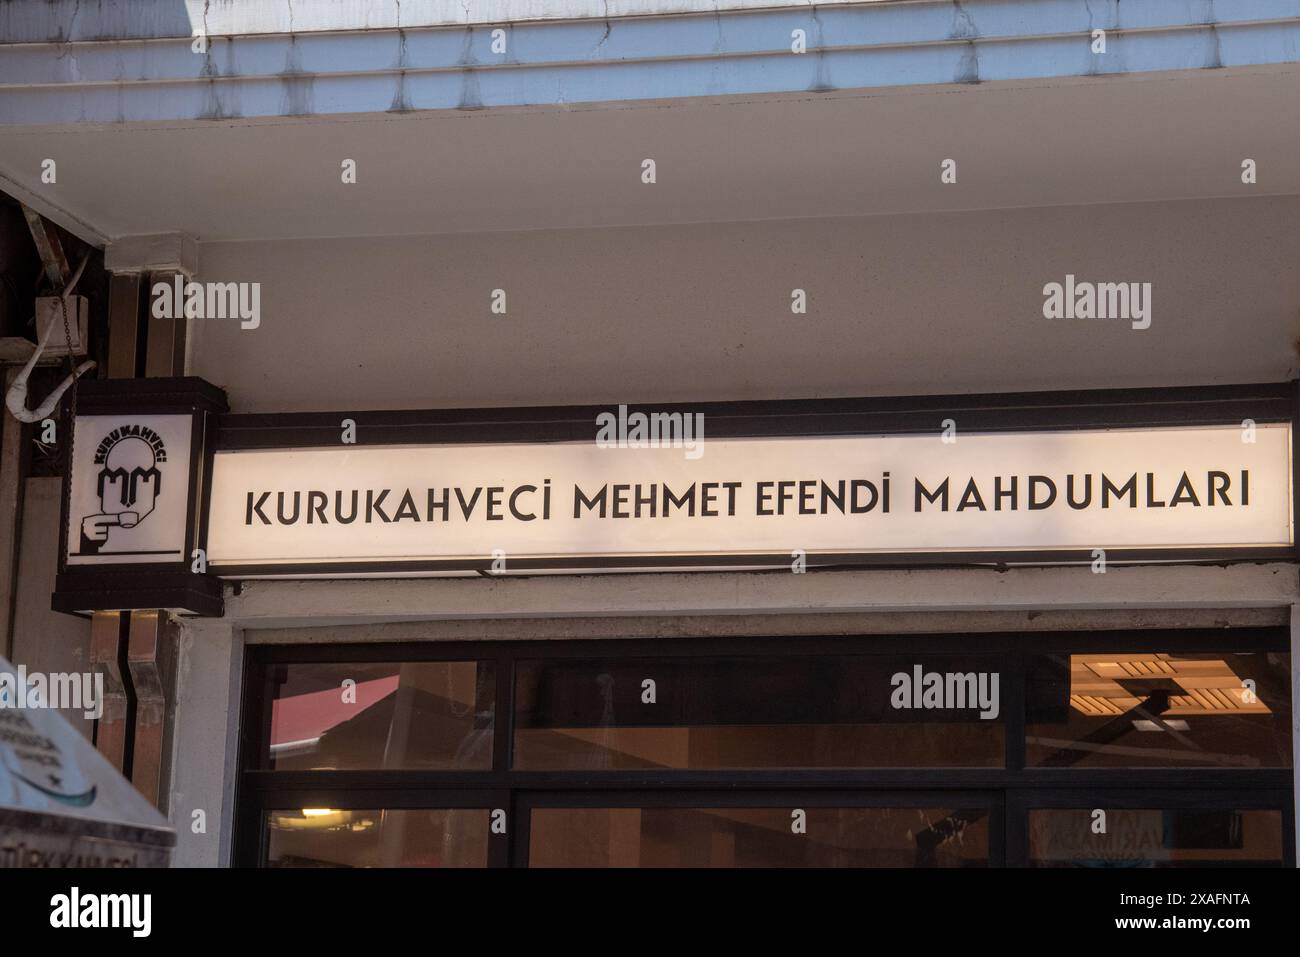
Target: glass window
[[758, 837], [428, 715], [1154, 838], [1152, 709], [329, 837], [834, 711]]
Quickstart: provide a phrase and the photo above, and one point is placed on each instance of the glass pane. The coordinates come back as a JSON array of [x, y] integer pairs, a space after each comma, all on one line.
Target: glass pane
[[1149, 709], [1155, 838], [430, 715], [758, 837], [329, 837], [841, 711]]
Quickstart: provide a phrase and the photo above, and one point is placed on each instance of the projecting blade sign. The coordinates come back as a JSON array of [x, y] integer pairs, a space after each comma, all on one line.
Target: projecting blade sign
[[130, 483]]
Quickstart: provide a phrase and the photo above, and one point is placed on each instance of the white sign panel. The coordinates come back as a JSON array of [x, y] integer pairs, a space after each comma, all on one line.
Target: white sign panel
[[130, 489], [1174, 488]]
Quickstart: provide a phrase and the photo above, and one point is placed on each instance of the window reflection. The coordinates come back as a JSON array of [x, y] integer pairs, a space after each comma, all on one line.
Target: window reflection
[[834, 711], [748, 712], [1152, 709], [412, 715], [330, 837], [758, 837], [1154, 838]]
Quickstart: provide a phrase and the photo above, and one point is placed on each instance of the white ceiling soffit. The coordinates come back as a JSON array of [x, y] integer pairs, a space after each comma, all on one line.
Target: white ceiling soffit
[[246, 140], [1068, 143]]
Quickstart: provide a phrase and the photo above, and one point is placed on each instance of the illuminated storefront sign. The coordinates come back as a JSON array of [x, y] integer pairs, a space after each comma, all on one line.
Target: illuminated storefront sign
[[169, 492], [1172, 488]]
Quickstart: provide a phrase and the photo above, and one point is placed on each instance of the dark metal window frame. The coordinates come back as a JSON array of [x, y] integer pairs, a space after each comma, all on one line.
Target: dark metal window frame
[[1014, 785]]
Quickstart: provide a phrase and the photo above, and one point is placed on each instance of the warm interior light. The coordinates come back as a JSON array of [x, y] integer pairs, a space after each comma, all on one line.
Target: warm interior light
[[318, 811], [1112, 685], [1170, 725]]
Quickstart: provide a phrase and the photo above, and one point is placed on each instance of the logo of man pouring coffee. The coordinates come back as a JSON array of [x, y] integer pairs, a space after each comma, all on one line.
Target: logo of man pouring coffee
[[128, 483]]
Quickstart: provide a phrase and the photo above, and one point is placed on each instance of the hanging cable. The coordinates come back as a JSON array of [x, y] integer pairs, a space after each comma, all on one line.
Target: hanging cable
[[16, 397]]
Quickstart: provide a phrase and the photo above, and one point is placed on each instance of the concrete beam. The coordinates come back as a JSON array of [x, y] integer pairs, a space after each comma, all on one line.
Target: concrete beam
[[895, 624], [266, 604], [160, 252]]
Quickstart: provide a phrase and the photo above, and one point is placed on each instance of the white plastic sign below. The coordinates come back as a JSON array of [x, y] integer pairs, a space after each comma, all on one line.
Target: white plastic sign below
[[50, 773]]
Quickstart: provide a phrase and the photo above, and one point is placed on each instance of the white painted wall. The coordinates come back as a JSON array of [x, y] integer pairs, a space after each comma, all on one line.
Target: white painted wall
[[205, 752], [931, 303]]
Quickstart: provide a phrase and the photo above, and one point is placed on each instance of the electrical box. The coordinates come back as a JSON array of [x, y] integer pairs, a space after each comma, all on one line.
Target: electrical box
[[48, 310]]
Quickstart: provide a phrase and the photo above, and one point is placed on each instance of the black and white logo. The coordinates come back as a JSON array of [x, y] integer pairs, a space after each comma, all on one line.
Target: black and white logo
[[130, 460]]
